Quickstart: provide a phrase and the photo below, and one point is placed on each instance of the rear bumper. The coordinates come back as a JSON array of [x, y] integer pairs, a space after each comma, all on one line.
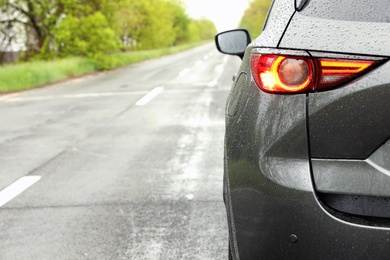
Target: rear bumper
[[269, 220]]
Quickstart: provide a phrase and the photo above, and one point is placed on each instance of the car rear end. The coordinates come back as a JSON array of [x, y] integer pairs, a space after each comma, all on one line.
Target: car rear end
[[308, 156]]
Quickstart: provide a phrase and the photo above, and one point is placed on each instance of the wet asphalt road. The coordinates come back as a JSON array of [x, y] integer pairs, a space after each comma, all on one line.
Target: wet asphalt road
[[120, 178]]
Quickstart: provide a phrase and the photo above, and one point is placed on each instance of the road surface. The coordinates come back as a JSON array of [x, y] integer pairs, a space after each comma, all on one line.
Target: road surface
[[121, 165]]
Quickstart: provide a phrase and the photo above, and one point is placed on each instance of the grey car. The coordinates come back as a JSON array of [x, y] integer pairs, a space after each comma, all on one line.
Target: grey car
[[307, 143]]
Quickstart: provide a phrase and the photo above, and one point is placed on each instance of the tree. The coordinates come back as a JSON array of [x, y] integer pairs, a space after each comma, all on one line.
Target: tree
[[207, 29], [254, 16], [88, 27], [11, 33], [194, 31], [147, 24], [41, 20], [202, 29], [85, 36], [36, 17], [181, 22]]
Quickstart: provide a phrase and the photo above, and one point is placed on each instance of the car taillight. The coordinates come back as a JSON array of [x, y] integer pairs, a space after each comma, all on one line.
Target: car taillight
[[282, 74], [334, 72], [276, 73]]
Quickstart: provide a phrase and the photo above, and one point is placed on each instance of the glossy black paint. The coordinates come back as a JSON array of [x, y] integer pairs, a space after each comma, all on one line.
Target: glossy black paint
[[303, 172], [348, 10], [336, 130]]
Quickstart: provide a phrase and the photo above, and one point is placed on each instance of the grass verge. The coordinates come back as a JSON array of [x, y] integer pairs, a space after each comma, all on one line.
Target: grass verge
[[29, 75]]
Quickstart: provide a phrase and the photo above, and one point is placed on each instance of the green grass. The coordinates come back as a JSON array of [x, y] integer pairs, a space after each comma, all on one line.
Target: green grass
[[29, 75], [122, 59], [32, 74]]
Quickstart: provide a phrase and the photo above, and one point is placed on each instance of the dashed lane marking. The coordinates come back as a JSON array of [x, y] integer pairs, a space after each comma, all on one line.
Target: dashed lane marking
[[17, 188], [148, 97], [184, 72], [73, 96]]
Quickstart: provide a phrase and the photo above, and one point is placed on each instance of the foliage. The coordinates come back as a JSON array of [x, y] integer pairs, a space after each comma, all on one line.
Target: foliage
[[206, 28], [32, 74], [36, 20], [254, 16], [181, 23], [201, 29], [86, 36], [93, 28], [156, 25]]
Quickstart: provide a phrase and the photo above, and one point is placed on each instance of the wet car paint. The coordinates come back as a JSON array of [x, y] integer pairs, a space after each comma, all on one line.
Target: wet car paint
[[281, 154]]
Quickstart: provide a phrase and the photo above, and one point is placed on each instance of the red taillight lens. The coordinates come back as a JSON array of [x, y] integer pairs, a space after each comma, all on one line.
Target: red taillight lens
[[282, 74], [276, 73], [334, 72]]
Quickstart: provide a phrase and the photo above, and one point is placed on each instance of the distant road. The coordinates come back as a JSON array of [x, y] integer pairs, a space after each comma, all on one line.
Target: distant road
[[125, 165]]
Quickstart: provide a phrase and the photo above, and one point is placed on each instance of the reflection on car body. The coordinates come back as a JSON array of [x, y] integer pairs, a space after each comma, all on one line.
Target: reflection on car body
[[307, 143]]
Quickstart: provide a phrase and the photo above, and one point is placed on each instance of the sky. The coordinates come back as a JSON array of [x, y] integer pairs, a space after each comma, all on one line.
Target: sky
[[226, 14]]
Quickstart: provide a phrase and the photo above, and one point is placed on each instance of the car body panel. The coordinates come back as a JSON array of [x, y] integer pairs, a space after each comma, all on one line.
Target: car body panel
[[358, 177], [352, 37], [277, 20], [351, 122], [279, 161], [270, 192]]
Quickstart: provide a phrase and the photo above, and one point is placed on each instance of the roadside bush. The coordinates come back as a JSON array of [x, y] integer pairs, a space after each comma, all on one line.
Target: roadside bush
[[103, 62], [28, 75], [87, 36], [254, 17]]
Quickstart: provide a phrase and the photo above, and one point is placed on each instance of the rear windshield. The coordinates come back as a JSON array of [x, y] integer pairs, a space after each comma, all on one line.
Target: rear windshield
[[350, 10]]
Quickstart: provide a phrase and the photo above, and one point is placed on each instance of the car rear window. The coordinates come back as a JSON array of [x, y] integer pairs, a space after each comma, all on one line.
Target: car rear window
[[349, 10]]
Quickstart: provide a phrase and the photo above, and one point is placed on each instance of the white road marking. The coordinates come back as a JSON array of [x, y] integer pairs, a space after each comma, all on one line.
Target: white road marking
[[152, 94], [74, 96], [184, 72], [92, 95], [17, 188], [198, 63]]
